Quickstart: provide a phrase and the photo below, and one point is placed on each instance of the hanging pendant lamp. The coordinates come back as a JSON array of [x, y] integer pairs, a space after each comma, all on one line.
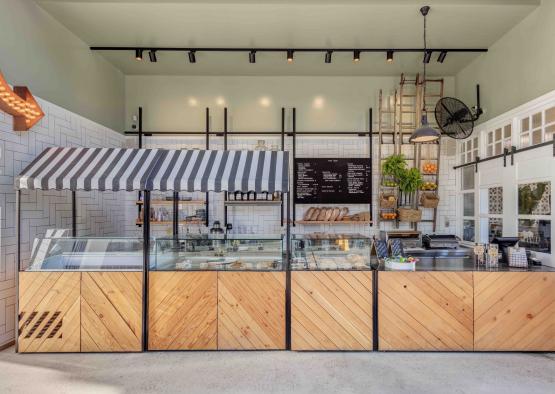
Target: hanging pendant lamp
[[424, 133]]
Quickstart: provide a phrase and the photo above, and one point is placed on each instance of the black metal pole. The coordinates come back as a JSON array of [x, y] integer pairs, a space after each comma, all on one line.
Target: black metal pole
[[370, 127], [287, 275], [73, 213], [282, 149], [375, 325], [225, 148], [18, 259], [175, 221], [207, 198], [146, 263], [140, 127], [294, 169]]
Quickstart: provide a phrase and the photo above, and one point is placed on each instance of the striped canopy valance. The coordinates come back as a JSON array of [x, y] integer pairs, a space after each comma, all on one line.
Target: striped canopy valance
[[156, 169]]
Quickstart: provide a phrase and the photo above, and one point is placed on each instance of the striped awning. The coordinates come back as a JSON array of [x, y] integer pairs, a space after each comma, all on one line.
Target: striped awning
[[156, 169], [89, 169], [210, 170]]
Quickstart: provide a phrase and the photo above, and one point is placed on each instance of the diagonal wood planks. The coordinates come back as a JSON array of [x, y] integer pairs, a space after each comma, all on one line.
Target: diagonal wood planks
[[49, 312], [514, 311], [183, 310], [331, 310], [251, 310], [425, 311], [111, 311]]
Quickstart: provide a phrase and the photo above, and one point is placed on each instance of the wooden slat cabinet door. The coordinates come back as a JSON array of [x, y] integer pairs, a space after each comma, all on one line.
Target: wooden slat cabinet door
[[251, 310], [49, 312], [183, 311], [331, 310], [514, 311], [425, 311], [111, 311]]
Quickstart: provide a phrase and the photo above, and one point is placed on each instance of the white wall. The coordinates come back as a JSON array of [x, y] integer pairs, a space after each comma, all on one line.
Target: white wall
[[99, 214], [38, 52]]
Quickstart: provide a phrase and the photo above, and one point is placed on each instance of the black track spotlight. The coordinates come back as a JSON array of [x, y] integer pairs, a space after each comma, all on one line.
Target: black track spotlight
[[427, 56], [390, 56], [152, 56], [442, 56], [290, 55], [328, 56], [356, 56], [252, 57], [192, 57], [138, 54]]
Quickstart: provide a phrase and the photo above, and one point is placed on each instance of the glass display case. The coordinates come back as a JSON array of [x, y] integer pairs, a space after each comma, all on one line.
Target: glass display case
[[86, 254], [206, 252], [323, 251]]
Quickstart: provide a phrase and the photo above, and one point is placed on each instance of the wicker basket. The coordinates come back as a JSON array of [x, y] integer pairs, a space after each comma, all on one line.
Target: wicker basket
[[387, 202], [409, 215], [429, 200]]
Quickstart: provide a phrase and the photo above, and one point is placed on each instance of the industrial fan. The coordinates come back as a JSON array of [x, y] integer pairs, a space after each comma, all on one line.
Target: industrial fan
[[454, 118]]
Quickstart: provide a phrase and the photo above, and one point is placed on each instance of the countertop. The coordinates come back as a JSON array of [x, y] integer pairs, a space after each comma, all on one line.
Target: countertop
[[466, 264]]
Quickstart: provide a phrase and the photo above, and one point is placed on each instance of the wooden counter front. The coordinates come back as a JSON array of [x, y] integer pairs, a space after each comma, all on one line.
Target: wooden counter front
[[514, 311], [209, 310], [80, 311], [331, 310], [425, 311]]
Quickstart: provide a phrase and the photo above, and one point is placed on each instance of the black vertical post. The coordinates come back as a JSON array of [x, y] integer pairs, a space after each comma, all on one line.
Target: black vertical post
[[207, 198], [18, 259], [287, 275], [370, 128], [175, 221], [375, 326], [225, 148], [146, 263], [294, 169], [282, 149], [140, 134], [73, 213]]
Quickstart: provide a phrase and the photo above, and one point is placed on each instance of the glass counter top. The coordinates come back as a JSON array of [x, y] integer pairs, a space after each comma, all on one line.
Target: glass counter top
[[464, 264]]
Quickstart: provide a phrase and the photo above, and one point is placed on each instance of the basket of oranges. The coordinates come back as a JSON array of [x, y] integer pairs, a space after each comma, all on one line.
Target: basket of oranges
[[429, 168]]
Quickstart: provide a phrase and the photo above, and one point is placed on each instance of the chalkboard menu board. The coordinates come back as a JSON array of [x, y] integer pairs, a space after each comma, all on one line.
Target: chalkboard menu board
[[333, 181]]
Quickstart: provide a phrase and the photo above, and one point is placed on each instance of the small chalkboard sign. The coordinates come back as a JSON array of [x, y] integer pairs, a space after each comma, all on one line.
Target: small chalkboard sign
[[333, 181]]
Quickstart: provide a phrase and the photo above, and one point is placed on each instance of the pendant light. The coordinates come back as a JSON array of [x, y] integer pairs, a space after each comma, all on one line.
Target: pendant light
[[424, 133]]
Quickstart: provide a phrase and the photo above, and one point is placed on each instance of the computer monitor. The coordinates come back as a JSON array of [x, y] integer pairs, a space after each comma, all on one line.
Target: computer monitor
[[504, 243]]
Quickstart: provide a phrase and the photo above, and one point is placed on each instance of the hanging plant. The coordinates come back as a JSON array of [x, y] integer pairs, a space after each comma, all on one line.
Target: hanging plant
[[394, 166], [410, 181]]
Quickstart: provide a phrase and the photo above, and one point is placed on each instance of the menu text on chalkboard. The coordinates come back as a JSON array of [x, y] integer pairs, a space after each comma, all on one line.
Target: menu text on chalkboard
[[333, 181]]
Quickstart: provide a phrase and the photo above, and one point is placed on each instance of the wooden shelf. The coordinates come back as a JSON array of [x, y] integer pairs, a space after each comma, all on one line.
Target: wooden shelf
[[170, 202], [315, 222], [252, 203], [166, 222]]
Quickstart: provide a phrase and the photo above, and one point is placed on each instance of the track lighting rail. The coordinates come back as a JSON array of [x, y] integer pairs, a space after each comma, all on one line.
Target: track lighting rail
[[323, 50]]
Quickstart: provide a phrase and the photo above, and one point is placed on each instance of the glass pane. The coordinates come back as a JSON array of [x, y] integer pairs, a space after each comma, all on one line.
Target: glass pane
[[469, 157], [498, 148], [468, 204], [507, 131], [525, 124], [490, 150], [495, 228], [87, 254], [490, 137], [549, 132], [536, 136], [468, 230], [535, 235], [468, 178], [525, 140], [495, 200], [468, 145], [475, 143], [537, 120], [534, 198], [550, 115], [498, 134]]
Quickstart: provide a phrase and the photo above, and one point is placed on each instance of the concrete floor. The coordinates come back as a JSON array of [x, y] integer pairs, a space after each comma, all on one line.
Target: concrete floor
[[277, 372]]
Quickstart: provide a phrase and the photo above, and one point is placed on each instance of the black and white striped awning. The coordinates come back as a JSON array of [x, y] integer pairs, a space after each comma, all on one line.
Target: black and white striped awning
[[156, 169], [89, 169], [198, 170]]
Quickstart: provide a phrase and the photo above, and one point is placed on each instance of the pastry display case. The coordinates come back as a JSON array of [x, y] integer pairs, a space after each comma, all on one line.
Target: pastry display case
[[218, 252], [217, 292], [82, 295], [323, 251]]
